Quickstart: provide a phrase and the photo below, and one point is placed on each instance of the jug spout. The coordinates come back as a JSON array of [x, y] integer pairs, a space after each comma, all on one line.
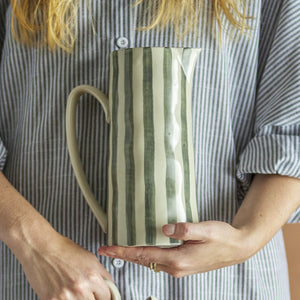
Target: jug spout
[[187, 58]]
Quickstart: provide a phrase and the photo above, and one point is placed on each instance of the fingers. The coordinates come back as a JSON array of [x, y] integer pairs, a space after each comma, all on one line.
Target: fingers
[[101, 290], [139, 255], [171, 261], [175, 269], [199, 232], [181, 231], [115, 294], [208, 246], [192, 231], [105, 274], [98, 283], [144, 255], [174, 261], [96, 288], [164, 258], [102, 293]]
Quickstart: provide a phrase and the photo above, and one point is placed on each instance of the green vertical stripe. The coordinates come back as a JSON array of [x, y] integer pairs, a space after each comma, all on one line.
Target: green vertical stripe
[[150, 218], [114, 149], [169, 136], [128, 148], [184, 134]]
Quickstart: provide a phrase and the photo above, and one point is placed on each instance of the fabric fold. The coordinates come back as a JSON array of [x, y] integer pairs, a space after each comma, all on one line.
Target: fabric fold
[[3, 155], [270, 154]]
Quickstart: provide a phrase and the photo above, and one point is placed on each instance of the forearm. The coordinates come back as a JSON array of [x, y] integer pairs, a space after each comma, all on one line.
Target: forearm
[[268, 204], [54, 265], [20, 224]]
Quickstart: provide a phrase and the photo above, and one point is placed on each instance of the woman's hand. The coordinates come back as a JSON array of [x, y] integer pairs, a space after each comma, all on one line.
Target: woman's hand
[[207, 246], [61, 269], [211, 245], [56, 267]]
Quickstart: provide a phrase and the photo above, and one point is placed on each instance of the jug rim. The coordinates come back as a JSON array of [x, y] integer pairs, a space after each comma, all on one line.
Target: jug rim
[[155, 47]]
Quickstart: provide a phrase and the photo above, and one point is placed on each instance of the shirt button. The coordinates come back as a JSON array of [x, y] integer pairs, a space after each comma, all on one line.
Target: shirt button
[[118, 263], [122, 42]]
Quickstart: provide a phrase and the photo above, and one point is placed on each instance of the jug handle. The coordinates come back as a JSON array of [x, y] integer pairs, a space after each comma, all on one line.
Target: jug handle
[[73, 147]]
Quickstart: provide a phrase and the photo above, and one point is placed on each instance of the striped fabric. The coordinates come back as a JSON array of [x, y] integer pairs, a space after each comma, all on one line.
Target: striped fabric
[[3, 155], [245, 120]]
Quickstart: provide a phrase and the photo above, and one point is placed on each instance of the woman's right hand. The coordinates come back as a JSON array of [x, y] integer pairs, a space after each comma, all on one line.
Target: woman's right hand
[[61, 269], [55, 266]]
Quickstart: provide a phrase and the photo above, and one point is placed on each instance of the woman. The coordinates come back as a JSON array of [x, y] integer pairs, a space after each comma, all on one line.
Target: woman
[[246, 116]]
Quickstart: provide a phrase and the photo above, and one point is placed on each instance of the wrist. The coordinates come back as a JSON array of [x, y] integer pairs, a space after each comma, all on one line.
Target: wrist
[[27, 234], [21, 227], [267, 205], [242, 245], [252, 238]]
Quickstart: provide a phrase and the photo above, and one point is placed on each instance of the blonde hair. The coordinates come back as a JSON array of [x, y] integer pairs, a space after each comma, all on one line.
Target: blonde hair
[[53, 22]]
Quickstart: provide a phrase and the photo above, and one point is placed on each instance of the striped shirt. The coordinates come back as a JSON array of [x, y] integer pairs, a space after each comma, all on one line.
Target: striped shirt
[[246, 120]]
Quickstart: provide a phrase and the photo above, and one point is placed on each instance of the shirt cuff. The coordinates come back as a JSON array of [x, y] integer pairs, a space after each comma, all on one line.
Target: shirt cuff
[[270, 154], [295, 217], [3, 155]]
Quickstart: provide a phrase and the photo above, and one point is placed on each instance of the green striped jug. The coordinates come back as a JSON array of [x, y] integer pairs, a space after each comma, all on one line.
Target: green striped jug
[[151, 163]]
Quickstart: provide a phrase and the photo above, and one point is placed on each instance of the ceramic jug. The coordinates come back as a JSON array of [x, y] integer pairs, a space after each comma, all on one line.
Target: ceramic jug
[[151, 161]]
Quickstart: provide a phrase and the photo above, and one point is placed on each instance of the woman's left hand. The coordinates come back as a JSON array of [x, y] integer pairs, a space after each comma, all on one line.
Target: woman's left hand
[[207, 246], [211, 245]]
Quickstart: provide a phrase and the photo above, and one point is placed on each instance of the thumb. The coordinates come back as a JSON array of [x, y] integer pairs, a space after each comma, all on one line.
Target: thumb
[[184, 231]]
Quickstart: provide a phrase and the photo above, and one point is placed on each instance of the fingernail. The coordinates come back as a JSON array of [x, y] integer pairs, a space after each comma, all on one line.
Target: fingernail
[[169, 229]]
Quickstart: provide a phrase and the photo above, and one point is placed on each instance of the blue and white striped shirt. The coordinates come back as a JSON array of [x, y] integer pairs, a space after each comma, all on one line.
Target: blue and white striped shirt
[[246, 120]]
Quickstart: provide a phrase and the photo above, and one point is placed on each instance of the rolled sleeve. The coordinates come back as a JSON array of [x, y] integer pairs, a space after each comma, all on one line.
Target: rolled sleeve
[[275, 145], [3, 155], [271, 154]]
